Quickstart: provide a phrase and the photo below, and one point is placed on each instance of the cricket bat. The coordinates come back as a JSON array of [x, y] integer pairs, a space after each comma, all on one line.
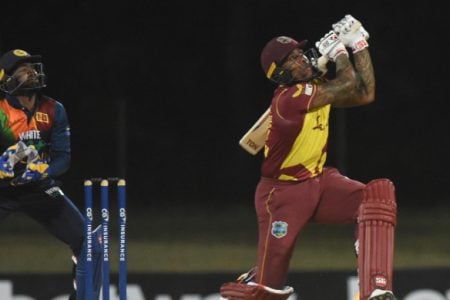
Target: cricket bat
[[253, 141]]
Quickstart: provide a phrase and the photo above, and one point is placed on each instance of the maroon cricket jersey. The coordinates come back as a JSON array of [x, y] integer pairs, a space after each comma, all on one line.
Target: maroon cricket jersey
[[296, 145]]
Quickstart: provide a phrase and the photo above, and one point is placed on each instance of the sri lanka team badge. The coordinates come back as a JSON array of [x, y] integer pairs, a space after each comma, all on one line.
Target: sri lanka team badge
[[279, 229]]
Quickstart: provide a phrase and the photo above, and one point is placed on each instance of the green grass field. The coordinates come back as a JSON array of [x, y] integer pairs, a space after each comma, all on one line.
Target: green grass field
[[223, 241]]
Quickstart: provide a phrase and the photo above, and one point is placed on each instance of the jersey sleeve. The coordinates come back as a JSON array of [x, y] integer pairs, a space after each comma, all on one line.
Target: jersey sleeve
[[295, 101], [60, 143]]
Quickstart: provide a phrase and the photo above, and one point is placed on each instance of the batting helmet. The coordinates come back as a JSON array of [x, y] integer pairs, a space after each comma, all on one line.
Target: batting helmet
[[273, 54]]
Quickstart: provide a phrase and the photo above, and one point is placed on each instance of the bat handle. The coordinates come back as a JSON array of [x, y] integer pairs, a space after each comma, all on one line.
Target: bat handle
[[322, 64]]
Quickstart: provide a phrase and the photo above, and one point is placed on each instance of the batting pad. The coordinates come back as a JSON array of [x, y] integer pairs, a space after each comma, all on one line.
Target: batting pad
[[376, 222]]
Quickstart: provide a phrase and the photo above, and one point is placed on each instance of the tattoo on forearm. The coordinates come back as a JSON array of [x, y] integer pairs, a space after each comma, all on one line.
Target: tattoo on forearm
[[341, 87], [354, 83], [366, 77]]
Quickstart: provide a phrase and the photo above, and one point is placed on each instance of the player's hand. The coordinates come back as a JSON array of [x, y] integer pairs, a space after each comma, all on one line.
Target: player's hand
[[10, 157], [351, 33], [331, 47], [36, 170]]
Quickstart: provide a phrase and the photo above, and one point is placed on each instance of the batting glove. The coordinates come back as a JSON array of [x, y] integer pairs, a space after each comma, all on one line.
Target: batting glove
[[10, 157], [351, 33], [330, 46]]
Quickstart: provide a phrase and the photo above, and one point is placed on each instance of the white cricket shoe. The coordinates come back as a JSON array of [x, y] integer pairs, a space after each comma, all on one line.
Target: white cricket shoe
[[378, 294]]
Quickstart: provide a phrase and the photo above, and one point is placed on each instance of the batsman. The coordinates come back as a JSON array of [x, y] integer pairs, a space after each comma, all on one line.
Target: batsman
[[296, 188], [35, 141]]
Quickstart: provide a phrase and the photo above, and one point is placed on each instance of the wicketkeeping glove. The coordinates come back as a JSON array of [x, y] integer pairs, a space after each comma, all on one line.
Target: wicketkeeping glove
[[351, 33], [330, 46], [10, 157], [37, 169]]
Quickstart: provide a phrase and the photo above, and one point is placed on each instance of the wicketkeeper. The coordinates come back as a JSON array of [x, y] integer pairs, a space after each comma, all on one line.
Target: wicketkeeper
[[35, 142], [295, 187]]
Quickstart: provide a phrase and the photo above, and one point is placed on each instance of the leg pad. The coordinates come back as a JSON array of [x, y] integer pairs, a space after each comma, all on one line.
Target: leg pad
[[377, 218]]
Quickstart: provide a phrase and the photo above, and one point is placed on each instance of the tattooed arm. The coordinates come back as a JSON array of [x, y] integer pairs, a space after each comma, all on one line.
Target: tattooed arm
[[366, 75], [353, 86]]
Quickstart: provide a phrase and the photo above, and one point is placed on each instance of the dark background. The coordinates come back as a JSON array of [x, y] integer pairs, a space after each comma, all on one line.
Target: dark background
[[161, 92]]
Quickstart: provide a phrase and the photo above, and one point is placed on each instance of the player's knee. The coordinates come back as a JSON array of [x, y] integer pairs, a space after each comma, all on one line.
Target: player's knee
[[379, 202], [381, 184]]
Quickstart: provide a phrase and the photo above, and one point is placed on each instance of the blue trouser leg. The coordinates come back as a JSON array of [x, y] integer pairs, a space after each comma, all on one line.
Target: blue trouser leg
[[56, 213]]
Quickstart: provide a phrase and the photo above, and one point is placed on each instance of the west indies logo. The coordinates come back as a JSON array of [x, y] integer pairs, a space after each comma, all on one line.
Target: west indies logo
[[279, 229]]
